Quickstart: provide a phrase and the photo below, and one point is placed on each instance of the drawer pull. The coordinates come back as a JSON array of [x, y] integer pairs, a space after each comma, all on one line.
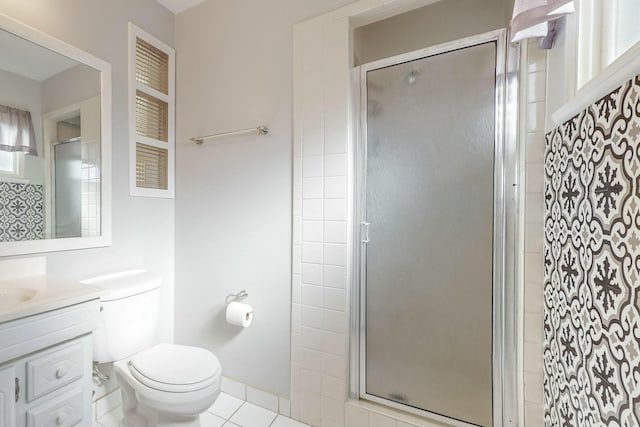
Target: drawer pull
[[68, 409], [60, 373], [54, 368], [61, 419]]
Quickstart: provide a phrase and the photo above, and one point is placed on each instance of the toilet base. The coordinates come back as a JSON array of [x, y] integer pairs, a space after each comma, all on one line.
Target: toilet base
[[145, 407], [134, 419], [136, 414], [177, 421]]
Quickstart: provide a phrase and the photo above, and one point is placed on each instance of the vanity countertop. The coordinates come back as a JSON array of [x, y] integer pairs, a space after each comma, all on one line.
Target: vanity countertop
[[44, 293]]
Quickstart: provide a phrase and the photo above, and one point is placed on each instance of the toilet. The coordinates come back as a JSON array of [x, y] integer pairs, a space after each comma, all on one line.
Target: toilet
[[165, 385]]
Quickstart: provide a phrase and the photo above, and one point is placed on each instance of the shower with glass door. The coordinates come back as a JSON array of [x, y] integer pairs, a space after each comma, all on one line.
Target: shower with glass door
[[433, 329]]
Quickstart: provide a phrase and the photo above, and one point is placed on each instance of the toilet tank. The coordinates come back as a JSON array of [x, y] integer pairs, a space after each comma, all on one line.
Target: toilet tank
[[130, 308]]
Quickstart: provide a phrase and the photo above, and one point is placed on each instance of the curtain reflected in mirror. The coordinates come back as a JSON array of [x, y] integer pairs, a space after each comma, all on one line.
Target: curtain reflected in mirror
[[50, 172]]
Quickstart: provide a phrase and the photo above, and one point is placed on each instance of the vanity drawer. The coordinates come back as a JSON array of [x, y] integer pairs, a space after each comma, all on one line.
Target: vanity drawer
[[54, 368], [64, 411]]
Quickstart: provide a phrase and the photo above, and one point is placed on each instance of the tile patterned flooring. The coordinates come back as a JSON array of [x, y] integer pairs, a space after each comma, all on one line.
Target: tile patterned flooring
[[227, 411]]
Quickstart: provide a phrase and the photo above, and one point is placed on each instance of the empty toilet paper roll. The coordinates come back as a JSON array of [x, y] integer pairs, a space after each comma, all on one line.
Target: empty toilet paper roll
[[239, 314]]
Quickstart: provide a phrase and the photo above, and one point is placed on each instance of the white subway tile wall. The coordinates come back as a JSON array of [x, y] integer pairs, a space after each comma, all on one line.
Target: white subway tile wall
[[319, 319], [535, 102]]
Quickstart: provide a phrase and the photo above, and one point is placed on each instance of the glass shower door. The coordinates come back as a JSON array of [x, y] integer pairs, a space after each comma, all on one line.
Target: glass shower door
[[67, 188], [429, 205]]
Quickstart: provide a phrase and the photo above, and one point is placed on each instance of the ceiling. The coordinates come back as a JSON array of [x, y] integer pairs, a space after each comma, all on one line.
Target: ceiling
[[30, 60], [177, 6]]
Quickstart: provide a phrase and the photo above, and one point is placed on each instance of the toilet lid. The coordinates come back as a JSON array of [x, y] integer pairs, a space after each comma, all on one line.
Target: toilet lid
[[176, 368]]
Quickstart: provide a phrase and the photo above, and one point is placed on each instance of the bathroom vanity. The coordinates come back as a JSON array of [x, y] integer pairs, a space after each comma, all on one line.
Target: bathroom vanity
[[58, 200], [46, 352]]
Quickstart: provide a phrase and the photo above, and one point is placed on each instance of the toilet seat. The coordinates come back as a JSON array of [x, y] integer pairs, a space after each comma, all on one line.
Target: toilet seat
[[175, 368]]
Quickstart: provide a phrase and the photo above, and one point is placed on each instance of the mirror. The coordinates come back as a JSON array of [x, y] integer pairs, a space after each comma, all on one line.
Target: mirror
[[54, 144]]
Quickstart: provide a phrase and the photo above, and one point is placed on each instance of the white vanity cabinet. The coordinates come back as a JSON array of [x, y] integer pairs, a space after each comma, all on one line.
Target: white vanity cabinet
[[45, 368], [7, 395]]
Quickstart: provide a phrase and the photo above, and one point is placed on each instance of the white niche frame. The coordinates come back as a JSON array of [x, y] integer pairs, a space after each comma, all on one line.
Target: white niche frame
[[136, 32]]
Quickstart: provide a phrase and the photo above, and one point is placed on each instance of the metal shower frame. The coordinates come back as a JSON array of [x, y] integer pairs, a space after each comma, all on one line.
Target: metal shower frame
[[506, 233]]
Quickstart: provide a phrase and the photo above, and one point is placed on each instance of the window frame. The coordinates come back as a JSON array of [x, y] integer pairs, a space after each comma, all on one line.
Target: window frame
[[136, 32], [17, 173], [596, 44], [577, 62]]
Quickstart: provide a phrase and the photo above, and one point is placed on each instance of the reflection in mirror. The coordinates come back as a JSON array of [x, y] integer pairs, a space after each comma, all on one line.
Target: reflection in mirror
[[50, 174]]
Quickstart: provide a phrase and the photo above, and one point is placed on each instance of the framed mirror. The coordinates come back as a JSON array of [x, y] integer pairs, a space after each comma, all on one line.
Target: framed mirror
[[55, 144]]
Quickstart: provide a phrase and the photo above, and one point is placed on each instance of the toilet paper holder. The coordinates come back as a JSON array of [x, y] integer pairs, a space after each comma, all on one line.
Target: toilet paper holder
[[236, 297]]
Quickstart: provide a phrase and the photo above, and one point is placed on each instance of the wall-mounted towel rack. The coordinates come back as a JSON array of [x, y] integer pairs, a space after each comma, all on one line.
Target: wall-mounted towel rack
[[262, 130]]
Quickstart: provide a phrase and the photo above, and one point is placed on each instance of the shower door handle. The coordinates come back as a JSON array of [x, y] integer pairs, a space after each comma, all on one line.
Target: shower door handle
[[365, 232]]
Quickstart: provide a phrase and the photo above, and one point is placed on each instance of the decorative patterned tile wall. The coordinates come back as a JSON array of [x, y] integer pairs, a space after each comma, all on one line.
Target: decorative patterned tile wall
[[21, 212], [591, 265]]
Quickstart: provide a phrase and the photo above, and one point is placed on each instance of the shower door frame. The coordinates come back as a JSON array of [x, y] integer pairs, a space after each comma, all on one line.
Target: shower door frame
[[53, 181], [506, 322]]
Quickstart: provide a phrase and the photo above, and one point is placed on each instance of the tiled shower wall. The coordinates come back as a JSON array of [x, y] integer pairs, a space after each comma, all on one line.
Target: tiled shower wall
[[320, 209], [321, 238], [534, 82]]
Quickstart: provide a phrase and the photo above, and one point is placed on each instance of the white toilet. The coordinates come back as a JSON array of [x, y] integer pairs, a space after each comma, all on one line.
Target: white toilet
[[165, 385]]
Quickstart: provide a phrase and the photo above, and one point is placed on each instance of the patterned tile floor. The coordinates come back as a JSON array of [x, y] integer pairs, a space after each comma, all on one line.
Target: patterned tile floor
[[227, 411]]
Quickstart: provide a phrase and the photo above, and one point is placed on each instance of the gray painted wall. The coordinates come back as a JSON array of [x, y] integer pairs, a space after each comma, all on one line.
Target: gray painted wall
[[428, 26], [69, 87], [233, 204]]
